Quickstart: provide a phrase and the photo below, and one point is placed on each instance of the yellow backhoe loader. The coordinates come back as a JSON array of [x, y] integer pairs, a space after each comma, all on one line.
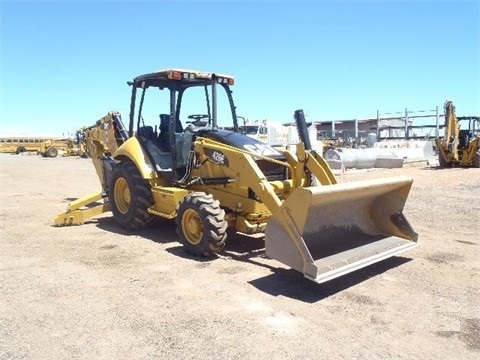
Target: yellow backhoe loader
[[459, 147], [210, 180]]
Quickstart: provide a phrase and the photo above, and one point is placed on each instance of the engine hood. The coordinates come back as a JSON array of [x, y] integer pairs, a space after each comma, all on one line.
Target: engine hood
[[242, 142]]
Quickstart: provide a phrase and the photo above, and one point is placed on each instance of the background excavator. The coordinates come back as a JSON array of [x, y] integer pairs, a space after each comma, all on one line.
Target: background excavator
[[210, 180], [459, 147]]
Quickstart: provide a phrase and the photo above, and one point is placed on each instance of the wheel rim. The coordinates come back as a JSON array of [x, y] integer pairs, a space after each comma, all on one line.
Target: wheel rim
[[122, 196], [192, 226]]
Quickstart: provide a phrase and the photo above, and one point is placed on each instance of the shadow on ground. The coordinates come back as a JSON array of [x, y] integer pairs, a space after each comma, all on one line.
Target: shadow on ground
[[292, 284], [250, 249], [238, 247], [162, 231], [444, 168]]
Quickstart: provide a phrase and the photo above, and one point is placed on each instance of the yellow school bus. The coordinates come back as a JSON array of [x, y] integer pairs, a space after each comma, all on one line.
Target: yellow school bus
[[21, 144]]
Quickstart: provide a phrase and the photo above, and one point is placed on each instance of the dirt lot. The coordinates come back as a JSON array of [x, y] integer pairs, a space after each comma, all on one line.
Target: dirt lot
[[96, 291]]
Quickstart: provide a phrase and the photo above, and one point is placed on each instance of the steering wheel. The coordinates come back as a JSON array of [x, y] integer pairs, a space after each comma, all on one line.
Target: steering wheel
[[197, 117]]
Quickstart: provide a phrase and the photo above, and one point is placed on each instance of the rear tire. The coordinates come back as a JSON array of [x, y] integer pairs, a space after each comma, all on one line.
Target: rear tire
[[201, 224], [51, 152], [130, 196], [21, 150]]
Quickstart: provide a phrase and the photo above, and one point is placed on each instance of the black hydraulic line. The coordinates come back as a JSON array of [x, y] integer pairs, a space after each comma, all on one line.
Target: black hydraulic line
[[121, 130], [207, 99], [217, 181], [232, 107]]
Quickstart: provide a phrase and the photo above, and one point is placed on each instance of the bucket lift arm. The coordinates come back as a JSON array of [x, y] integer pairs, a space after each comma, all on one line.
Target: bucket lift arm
[[329, 230]]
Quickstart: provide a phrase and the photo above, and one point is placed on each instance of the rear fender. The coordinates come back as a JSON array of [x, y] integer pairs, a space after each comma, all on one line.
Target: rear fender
[[133, 151]]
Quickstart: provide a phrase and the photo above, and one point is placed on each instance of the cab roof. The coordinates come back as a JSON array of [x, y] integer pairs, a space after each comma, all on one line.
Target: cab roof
[[179, 78]]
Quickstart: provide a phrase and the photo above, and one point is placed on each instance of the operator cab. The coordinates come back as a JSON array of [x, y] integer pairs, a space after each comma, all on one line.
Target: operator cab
[[166, 140]]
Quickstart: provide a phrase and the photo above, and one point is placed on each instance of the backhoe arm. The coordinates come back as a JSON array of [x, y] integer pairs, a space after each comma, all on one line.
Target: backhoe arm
[[452, 128], [101, 140]]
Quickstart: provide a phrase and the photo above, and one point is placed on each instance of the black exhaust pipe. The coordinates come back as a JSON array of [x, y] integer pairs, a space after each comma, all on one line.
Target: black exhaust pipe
[[302, 129]]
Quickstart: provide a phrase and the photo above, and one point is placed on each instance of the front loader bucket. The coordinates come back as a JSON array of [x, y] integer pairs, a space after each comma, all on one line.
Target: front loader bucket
[[328, 231]]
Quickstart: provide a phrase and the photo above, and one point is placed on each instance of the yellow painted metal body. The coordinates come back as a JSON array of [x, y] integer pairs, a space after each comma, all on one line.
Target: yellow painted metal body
[[133, 151], [166, 200], [461, 157], [250, 215], [450, 150], [80, 210], [100, 141], [193, 224]]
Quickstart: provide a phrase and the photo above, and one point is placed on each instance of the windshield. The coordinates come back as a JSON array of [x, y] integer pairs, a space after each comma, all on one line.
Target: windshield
[[192, 103]]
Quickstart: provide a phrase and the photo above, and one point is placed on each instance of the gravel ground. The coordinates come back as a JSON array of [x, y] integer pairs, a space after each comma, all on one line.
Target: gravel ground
[[97, 291]]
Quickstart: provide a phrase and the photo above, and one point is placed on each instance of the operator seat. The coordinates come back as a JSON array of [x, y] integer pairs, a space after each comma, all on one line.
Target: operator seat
[[149, 137], [146, 132], [163, 138], [178, 126]]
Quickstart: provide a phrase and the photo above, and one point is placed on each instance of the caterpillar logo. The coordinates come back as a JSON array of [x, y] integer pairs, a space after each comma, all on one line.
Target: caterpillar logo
[[217, 157], [261, 149]]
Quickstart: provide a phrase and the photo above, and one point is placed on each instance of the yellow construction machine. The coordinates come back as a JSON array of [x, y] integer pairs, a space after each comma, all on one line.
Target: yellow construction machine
[[49, 148], [210, 180], [76, 145], [459, 147]]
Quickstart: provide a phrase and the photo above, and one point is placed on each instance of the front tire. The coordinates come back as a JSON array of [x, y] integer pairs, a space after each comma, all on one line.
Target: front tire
[[130, 196], [201, 224], [51, 152]]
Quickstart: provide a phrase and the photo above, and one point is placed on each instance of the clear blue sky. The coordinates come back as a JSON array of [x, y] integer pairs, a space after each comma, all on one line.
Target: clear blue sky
[[66, 64]]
